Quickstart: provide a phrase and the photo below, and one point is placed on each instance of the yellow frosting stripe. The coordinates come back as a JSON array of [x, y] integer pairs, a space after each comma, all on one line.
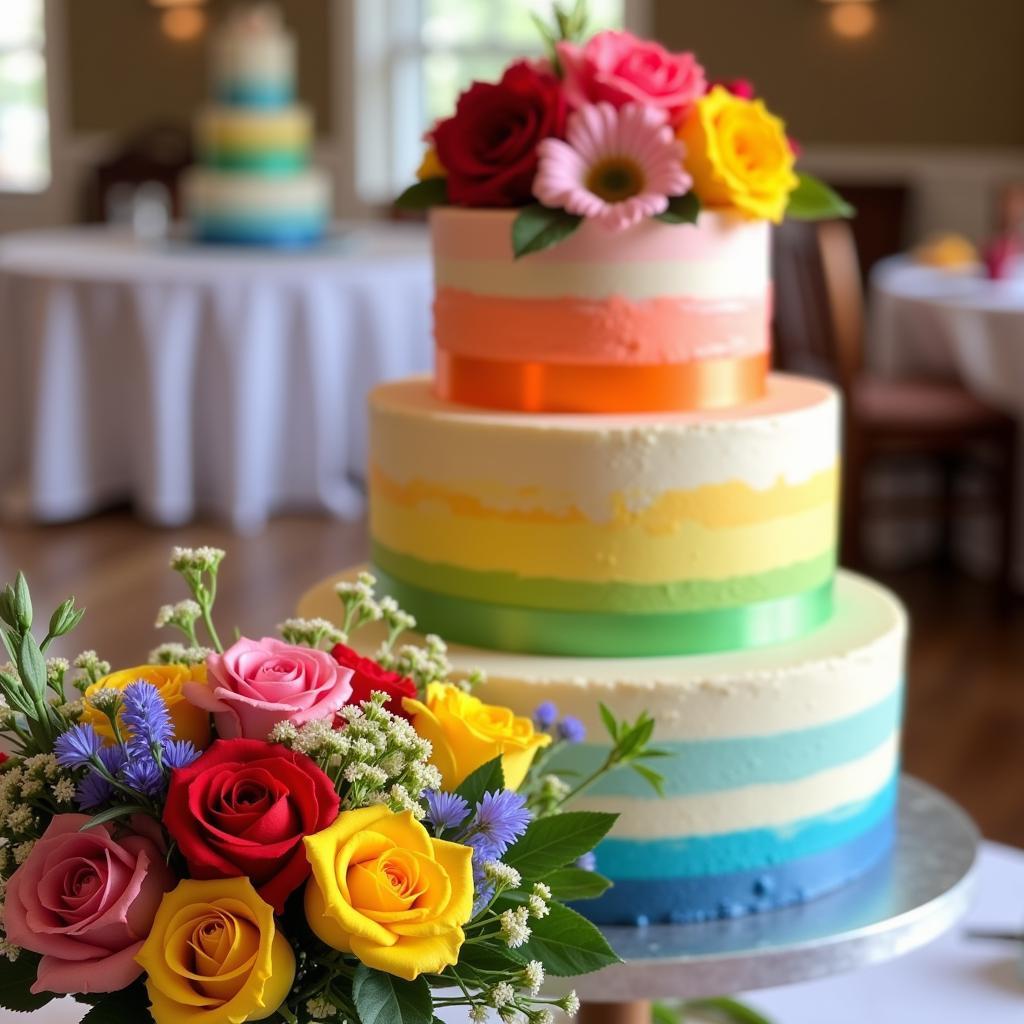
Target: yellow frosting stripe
[[714, 506], [574, 549]]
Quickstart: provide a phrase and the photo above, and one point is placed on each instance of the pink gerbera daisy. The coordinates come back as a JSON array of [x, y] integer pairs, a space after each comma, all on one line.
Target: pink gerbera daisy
[[616, 167]]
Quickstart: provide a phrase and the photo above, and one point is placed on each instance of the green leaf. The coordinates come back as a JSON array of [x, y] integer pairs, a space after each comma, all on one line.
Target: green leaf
[[479, 957], [15, 981], [7, 606], [814, 200], [32, 666], [576, 884], [15, 694], [636, 738], [551, 843], [488, 778], [539, 227], [423, 195], [567, 944], [22, 602], [681, 210], [726, 1010], [610, 722], [112, 814], [662, 1013], [655, 779], [130, 1004], [384, 999]]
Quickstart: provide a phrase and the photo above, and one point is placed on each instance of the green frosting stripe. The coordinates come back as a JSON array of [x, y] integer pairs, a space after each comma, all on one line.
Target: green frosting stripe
[[505, 588], [269, 161], [610, 635]]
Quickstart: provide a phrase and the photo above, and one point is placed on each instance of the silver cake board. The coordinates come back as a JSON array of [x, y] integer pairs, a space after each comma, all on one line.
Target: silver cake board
[[904, 903]]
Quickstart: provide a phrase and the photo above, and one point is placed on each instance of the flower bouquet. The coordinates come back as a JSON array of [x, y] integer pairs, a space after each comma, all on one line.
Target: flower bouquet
[[285, 829], [613, 129]]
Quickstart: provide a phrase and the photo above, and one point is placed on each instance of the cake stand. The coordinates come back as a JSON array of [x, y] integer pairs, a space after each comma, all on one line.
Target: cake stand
[[902, 904]]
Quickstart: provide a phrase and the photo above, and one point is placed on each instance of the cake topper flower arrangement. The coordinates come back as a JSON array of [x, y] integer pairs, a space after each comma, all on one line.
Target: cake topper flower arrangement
[[613, 129], [285, 829]]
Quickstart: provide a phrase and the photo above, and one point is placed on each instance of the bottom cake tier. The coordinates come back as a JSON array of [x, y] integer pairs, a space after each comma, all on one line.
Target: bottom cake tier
[[782, 779]]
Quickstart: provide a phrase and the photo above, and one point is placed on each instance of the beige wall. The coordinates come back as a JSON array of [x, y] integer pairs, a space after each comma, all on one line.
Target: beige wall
[[935, 72], [124, 73]]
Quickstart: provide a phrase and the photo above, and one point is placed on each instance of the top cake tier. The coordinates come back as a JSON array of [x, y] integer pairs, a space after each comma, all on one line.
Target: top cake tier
[[661, 317], [254, 59]]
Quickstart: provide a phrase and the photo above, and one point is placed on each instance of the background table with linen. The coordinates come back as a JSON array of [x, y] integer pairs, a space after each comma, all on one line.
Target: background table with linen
[[190, 380], [953, 325]]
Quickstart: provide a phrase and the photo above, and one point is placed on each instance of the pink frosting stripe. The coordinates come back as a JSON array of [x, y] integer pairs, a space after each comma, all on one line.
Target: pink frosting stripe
[[460, 234], [612, 331]]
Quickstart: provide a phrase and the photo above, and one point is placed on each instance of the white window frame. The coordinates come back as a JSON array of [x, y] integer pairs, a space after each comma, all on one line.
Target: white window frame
[[379, 68]]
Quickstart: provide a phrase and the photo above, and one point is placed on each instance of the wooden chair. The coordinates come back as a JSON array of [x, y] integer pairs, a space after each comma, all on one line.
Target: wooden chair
[[819, 328]]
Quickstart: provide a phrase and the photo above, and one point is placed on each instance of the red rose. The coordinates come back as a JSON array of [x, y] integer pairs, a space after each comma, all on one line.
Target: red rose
[[489, 146], [368, 677], [243, 808]]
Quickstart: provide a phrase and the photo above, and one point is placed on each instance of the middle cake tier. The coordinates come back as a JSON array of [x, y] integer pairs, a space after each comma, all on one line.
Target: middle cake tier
[[610, 536]]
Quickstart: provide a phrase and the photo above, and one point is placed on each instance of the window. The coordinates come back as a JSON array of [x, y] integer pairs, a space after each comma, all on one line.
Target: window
[[416, 56], [24, 124]]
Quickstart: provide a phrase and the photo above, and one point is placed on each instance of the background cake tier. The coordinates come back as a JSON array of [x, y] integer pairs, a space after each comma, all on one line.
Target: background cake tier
[[254, 59], [607, 535], [242, 208], [782, 780], [267, 141], [655, 318]]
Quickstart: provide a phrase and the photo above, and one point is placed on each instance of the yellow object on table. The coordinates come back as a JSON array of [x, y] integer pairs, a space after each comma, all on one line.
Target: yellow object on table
[[948, 252]]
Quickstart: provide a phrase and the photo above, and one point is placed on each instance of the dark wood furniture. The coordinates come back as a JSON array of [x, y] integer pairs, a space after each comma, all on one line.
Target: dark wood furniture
[[819, 328]]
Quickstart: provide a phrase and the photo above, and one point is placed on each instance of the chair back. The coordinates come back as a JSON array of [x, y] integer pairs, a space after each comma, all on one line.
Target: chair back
[[818, 323]]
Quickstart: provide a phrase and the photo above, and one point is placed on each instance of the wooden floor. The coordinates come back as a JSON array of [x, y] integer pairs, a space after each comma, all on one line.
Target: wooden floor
[[965, 714]]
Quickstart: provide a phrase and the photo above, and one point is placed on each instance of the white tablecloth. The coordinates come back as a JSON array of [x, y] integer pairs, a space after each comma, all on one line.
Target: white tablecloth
[[188, 379], [953, 981], [954, 326]]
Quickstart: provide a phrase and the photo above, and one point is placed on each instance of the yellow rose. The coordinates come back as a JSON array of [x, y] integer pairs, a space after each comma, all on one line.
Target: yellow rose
[[430, 166], [739, 156], [190, 723], [385, 891], [466, 733], [215, 956]]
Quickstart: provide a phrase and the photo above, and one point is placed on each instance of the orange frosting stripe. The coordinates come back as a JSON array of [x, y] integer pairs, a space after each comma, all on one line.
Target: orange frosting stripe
[[599, 332], [545, 387]]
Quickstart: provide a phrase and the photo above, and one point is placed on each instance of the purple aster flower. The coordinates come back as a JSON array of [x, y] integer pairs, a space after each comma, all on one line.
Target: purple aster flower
[[143, 775], [179, 753], [545, 716], [77, 747], [588, 862], [445, 810], [146, 717], [94, 789], [572, 730], [500, 819]]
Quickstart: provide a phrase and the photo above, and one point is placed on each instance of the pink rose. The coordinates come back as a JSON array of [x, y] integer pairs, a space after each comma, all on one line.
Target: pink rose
[[255, 684], [618, 68], [86, 902]]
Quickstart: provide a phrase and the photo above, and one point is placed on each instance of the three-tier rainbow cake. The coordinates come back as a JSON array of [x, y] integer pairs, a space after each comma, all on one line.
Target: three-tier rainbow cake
[[254, 184], [605, 496]]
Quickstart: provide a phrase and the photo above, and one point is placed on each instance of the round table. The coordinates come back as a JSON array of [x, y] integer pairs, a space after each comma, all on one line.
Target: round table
[[953, 325], [188, 379]]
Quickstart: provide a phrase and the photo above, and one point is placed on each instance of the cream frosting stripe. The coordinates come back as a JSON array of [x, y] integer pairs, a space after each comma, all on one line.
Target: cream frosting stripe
[[716, 283], [791, 435], [775, 805]]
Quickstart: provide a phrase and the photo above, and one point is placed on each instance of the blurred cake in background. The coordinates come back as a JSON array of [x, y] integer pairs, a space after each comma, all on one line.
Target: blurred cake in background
[[254, 184]]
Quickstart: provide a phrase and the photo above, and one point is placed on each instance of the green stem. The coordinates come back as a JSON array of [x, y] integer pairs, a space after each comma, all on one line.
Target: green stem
[[208, 622]]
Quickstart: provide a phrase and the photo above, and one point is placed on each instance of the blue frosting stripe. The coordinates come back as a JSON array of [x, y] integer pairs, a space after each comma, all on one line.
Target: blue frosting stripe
[[271, 231], [264, 95], [686, 900], [703, 856], [709, 766]]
